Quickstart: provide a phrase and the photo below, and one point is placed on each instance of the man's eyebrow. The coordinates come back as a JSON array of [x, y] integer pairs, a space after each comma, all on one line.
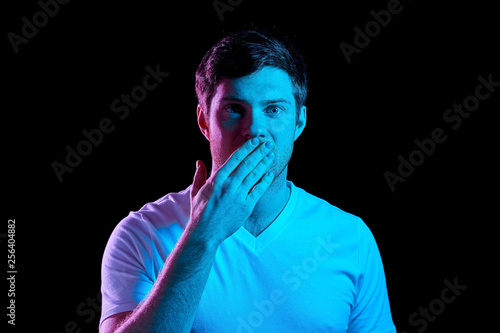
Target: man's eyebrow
[[266, 102], [274, 101], [233, 98]]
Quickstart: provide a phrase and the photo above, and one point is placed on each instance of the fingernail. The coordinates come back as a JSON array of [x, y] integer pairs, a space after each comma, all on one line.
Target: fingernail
[[270, 174], [254, 142], [270, 155], [269, 145]]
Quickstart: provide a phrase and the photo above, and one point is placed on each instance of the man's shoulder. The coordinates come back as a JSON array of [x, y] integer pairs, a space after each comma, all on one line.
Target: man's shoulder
[[312, 205], [327, 219], [172, 208]]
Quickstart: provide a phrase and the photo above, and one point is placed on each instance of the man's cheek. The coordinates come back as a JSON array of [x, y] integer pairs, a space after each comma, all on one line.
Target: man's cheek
[[283, 124]]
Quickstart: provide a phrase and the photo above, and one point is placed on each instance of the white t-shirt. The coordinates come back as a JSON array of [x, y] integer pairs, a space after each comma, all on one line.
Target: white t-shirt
[[316, 268]]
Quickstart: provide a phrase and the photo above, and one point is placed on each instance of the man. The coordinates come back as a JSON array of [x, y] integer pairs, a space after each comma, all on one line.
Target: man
[[245, 250]]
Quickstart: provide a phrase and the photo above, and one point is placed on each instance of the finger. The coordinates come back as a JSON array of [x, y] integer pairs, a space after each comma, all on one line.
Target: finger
[[236, 158], [200, 177], [256, 173], [261, 187], [248, 167], [249, 163]]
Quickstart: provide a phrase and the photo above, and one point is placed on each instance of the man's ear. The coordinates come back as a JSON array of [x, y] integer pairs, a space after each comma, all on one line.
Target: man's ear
[[301, 122], [202, 122]]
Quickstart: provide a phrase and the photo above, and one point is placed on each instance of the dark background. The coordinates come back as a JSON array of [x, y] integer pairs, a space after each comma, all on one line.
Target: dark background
[[439, 224]]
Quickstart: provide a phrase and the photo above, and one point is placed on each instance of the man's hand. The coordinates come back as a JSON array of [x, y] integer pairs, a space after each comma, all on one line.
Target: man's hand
[[221, 204]]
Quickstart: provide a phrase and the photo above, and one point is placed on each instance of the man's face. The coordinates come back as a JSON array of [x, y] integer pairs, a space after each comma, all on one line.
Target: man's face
[[258, 105]]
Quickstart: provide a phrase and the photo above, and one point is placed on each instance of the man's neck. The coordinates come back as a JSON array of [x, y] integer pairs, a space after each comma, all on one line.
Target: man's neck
[[269, 205]]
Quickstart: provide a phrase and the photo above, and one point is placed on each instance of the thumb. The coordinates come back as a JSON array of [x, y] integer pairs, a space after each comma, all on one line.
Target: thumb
[[200, 177]]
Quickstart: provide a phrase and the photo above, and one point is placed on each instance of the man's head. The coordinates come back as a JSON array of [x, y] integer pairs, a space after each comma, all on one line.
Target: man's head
[[251, 84], [242, 53]]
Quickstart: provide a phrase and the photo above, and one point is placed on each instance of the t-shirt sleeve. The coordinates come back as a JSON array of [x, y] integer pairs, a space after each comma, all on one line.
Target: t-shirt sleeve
[[371, 310], [126, 273]]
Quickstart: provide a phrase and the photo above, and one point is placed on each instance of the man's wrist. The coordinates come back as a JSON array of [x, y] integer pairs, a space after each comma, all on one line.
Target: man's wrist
[[202, 240]]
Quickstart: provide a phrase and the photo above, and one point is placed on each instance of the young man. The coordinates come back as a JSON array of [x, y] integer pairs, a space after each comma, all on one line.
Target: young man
[[245, 250]]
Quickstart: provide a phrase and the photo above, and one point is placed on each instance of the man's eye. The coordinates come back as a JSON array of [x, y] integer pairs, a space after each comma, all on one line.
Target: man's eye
[[234, 109], [274, 110]]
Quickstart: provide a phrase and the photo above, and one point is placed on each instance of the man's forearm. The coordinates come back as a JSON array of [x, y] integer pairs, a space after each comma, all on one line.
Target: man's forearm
[[219, 207], [174, 298]]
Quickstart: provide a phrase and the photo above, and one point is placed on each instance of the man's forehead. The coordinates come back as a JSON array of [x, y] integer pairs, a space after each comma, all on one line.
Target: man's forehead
[[269, 83]]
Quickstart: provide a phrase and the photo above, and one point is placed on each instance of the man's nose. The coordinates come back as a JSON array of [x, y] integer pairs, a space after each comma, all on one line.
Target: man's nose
[[254, 126]]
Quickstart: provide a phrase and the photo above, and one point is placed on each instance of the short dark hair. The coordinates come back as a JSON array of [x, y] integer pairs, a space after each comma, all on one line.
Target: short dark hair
[[244, 52]]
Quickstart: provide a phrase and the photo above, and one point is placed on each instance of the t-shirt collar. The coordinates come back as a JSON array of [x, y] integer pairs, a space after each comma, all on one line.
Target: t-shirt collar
[[256, 244]]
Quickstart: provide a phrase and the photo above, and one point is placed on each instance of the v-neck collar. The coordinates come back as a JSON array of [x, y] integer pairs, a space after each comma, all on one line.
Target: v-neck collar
[[257, 244]]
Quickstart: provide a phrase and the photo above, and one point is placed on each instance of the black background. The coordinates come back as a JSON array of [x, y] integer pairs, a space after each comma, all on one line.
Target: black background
[[439, 224]]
